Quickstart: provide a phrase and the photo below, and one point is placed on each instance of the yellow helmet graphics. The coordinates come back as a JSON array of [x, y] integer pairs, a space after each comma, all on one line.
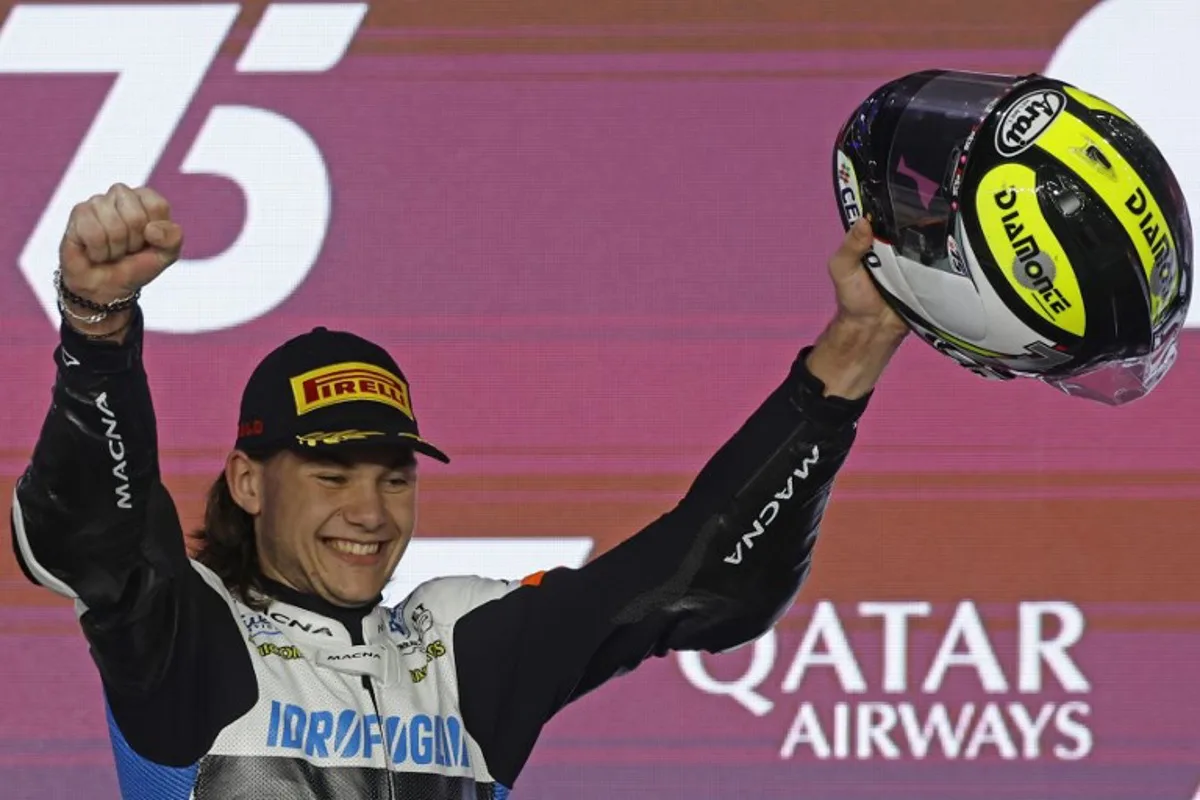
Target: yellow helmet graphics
[[1023, 227]]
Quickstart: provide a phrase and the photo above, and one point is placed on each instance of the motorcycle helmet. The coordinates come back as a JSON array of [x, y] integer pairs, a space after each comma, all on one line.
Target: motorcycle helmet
[[1022, 227]]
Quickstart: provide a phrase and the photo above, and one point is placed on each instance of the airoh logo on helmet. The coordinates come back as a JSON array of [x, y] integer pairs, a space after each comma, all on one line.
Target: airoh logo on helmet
[[1026, 120]]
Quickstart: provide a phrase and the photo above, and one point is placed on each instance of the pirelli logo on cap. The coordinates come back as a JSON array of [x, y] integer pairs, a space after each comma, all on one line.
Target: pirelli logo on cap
[[350, 380]]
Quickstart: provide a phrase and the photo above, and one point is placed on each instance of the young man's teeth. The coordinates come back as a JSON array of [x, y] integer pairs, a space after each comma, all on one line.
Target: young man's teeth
[[354, 548]]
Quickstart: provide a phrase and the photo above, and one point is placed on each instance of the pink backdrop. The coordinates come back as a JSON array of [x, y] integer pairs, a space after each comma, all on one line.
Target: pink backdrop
[[595, 243]]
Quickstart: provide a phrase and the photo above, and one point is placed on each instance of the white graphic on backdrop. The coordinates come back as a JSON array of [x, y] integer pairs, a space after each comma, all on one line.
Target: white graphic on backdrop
[[1110, 52], [160, 55]]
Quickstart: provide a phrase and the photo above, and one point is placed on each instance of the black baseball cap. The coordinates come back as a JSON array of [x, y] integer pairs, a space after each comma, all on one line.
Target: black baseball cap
[[327, 389]]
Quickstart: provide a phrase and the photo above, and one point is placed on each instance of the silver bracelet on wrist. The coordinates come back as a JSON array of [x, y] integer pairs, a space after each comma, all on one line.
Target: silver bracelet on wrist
[[100, 311], [90, 319]]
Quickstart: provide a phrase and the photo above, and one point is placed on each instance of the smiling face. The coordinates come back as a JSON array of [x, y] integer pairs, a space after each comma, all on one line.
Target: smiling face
[[331, 525]]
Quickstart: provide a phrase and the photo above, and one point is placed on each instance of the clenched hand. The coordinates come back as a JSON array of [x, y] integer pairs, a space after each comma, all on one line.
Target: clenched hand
[[115, 244]]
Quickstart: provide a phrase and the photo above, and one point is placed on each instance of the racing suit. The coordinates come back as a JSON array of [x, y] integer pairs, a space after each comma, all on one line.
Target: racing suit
[[443, 696]]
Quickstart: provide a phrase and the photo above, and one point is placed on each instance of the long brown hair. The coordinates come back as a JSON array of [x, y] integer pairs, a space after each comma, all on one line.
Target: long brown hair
[[226, 545]]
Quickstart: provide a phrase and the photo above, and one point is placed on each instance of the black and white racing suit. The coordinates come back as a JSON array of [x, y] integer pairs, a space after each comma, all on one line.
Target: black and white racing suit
[[443, 696]]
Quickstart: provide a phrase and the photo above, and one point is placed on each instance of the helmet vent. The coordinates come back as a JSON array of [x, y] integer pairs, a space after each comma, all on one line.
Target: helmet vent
[[1068, 203], [1096, 155]]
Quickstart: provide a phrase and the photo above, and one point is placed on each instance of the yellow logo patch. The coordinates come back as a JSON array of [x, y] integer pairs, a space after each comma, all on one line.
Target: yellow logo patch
[[1025, 249], [347, 382]]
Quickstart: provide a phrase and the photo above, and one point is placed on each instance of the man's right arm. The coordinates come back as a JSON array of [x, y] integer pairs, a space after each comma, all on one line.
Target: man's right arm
[[91, 520]]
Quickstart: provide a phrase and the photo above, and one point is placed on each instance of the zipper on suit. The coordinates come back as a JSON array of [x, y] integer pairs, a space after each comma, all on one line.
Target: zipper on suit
[[357, 638]]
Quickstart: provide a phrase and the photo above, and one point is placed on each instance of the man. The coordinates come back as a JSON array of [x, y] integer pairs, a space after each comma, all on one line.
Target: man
[[265, 668]]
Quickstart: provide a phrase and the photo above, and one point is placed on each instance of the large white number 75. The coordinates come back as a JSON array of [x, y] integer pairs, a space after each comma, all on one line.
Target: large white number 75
[[160, 55]]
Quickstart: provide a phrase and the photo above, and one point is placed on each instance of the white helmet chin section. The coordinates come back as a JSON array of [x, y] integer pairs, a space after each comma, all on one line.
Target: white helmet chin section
[[943, 298], [950, 299], [892, 277]]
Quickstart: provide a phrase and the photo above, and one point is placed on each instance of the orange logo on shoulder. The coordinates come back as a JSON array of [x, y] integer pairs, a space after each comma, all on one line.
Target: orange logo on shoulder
[[534, 580], [348, 381]]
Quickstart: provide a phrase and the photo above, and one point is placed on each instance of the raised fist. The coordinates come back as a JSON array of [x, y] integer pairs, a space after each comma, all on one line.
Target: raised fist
[[115, 244]]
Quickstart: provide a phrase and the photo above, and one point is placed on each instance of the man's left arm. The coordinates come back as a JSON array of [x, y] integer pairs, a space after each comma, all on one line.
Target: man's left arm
[[715, 572]]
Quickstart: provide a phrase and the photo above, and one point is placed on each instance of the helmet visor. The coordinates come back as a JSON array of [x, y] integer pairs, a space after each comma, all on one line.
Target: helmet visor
[[928, 154], [1119, 382]]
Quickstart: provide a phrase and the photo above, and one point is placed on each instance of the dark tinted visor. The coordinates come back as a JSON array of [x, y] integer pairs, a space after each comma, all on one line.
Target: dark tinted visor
[[928, 154]]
